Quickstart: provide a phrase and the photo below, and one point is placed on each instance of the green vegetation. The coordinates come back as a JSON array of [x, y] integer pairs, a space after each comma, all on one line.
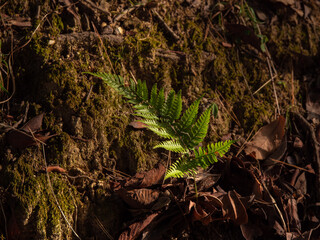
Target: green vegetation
[[162, 115]]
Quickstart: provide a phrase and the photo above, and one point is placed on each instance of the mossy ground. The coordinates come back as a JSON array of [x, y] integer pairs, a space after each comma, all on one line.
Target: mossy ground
[[92, 121]]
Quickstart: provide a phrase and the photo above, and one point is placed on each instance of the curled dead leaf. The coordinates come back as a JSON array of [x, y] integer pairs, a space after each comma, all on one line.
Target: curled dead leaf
[[267, 139], [56, 169], [139, 198], [233, 208], [137, 228]]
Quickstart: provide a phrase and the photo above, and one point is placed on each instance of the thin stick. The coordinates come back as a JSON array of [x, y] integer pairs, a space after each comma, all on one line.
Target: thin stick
[[291, 165], [166, 26], [103, 47], [244, 77], [54, 196], [273, 85], [272, 69], [292, 85], [245, 142], [98, 222], [263, 85], [5, 219], [276, 206], [231, 113]]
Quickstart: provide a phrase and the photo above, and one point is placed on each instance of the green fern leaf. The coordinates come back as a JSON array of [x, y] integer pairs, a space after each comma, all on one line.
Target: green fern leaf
[[168, 105], [208, 155], [160, 131], [159, 106], [198, 130], [188, 118], [181, 168], [174, 111], [153, 97], [172, 145]]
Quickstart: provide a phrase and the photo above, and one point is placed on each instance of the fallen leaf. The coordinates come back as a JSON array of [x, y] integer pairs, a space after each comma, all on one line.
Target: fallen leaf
[[233, 208], [251, 230], [285, 2], [21, 139], [56, 169], [267, 139], [138, 125], [313, 99], [240, 178], [137, 228], [33, 124], [139, 198], [28, 135], [292, 211], [147, 179]]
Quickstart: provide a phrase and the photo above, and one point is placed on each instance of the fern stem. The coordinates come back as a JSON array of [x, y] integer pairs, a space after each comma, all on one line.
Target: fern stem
[[195, 187]]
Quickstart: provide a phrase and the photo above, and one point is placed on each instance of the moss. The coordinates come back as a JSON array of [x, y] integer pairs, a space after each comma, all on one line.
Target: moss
[[35, 203]]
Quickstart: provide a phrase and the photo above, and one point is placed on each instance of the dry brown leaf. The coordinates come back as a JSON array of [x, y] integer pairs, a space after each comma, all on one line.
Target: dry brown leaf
[[56, 169], [34, 124], [251, 230], [233, 208], [292, 211], [27, 135], [267, 139], [138, 125], [147, 179], [137, 228], [313, 98], [139, 198], [285, 2], [21, 139]]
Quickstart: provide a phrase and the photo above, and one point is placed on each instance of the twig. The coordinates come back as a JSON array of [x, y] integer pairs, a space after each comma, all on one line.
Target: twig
[[245, 142], [244, 77], [165, 25], [103, 47], [231, 113], [5, 219], [263, 85], [292, 85], [54, 196], [125, 12], [98, 222], [275, 205], [291, 165], [22, 132], [271, 69], [88, 3], [316, 145]]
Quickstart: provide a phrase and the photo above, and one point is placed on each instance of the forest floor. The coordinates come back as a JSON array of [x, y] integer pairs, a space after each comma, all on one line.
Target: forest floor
[[75, 165]]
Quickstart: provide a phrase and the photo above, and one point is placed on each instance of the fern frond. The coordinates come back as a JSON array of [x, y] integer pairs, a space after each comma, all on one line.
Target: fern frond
[[153, 95], [203, 158], [198, 130], [159, 105], [117, 83], [162, 115], [175, 108], [188, 118], [169, 102], [161, 131], [181, 168], [172, 145], [208, 155]]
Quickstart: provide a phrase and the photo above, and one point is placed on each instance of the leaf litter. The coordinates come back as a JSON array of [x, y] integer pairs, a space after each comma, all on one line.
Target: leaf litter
[[29, 134], [263, 200]]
